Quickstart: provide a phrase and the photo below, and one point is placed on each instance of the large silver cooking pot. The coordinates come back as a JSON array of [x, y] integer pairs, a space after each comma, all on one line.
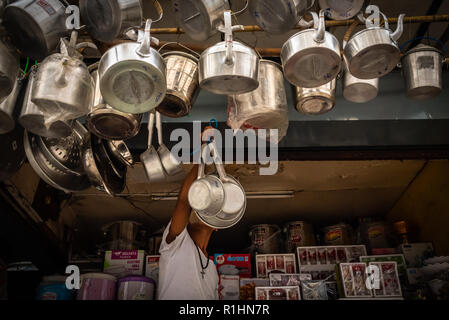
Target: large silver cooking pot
[[36, 26], [182, 84], [359, 90], [8, 106], [278, 17], [342, 9], [373, 52], [132, 76], [200, 18], [311, 57], [314, 101], [107, 122], [62, 87], [264, 108], [422, 70], [107, 20], [229, 67], [9, 69]]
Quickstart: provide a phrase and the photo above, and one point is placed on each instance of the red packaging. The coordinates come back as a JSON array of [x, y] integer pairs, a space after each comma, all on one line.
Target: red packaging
[[279, 262], [233, 264], [383, 251], [270, 263]]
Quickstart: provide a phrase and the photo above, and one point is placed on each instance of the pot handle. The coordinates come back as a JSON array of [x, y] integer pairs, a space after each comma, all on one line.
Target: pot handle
[[150, 129], [443, 46], [202, 165], [159, 128], [321, 28], [181, 45], [218, 162], [144, 49], [227, 29]]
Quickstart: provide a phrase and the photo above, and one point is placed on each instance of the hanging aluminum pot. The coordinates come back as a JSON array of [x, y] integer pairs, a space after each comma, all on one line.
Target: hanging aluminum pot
[[9, 69], [311, 57], [34, 120], [182, 84], [200, 18], [229, 67], [108, 20], [359, 90], [314, 101], [422, 70], [107, 122], [373, 52], [278, 17], [8, 107], [132, 75], [36, 26], [343, 9]]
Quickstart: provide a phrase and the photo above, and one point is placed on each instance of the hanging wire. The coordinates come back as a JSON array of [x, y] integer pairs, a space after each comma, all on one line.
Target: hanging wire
[[26, 66]]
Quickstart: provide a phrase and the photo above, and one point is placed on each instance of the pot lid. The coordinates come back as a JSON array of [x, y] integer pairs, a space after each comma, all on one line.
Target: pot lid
[[423, 47], [236, 47]]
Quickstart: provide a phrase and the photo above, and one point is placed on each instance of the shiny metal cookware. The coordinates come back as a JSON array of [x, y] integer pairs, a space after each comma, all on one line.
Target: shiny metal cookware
[[422, 70], [9, 70], [107, 122], [58, 161], [373, 52], [132, 76], [229, 67], [200, 18], [314, 101], [62, 87], [150, 159], [264, 108], [107, 20], [311, 57], [359, 90], [120, 151], [182, 84], [8, 107], [343, 9], [36, 26], [278, 17], [35, 121]]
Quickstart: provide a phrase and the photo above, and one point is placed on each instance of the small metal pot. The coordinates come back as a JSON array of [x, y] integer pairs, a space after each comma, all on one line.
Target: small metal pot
[[373, 52], [120, 151], [8, 106], [200, 18], [422, 70], [235, 204], [182, 84], [36, 26], [150, 159], [107, 122], [311, 57], [9, 69], [314, 101], [229, 67], [107, 20], [359, 90], [278, 17], [132, 76], [343, 10]]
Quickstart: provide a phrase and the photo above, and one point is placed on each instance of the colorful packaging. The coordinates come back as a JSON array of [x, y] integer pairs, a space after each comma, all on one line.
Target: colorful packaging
[[288, 280], [314, 290], [398, 258], [152, 268], [339, 234], [277, 293], [326, 255], [234, 264], [390, 285], [416, 253], [276, 263], [229, 287], [353, 278], [298, 234], [248, 287], [124, 263]]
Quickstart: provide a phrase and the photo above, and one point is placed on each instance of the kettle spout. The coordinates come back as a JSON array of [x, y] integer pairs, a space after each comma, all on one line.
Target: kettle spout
[[400, 28]]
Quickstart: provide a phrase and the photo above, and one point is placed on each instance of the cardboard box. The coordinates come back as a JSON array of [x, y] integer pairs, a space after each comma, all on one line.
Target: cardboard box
[[330, 255], [248, 287], [398, 258], [229, 287], [276, 263], [278, 293], [124, 263], [416, 253], [352, 280], [152, 267], [233, 264]]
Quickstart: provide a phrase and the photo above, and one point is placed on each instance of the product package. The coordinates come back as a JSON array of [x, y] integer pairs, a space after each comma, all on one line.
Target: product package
[[325, 255], [298, 234], [229, 287], [124, 263], [277, 293], [152, 267], [390, 285], [288, 280], [248, 287], [275, 263], [398, 258], [314, 290], [353, 280], [233, 264], [416, 253]]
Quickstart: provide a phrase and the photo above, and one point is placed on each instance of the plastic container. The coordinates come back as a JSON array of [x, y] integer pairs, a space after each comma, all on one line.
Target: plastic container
[[97, 286], [54, 288], [298, 234], [136, 288]]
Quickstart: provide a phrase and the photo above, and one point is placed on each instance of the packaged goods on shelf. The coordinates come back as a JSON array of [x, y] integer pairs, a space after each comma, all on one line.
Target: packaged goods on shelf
[[248, 287], [398, 258], [124, 263], [152, 268], [233, 264], [229, 287], [390, 286], [329, 255], [352, 279], [278, 293], [416, 253], [285, 280], [314, 290], [298, 234], [276, 263], [338, 234]]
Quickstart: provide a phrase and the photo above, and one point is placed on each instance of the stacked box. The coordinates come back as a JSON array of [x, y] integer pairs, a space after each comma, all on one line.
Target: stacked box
[[277, 293], [276, 263], [248, 287], [124, 263], [233, 264]]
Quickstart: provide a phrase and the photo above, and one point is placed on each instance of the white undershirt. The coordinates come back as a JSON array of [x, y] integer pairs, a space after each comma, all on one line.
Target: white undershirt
[[180, 271]]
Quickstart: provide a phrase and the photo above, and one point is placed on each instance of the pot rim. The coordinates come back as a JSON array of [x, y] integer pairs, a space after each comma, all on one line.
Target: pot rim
[[236, 45], [179, 53]]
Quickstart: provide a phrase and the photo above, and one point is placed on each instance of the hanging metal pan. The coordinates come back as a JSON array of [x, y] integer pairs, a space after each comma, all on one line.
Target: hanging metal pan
[[343, 9], [9, 69], [8, 107]]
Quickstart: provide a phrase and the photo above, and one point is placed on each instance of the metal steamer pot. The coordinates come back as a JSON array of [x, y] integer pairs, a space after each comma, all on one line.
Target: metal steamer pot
[[107, 20], [422, 70], [132, 75], [107, 122], [36, 26], [35, 121], [311, 57], [373, 52], [278, 17], [229, 67], [9, 69], [314, 101], [200, 18], [8, 107], [182, 84], [342, 9], [359, 90]]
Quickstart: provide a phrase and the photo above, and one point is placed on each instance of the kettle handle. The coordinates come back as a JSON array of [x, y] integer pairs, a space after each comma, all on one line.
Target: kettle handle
[[227, 29], [218, 162], [320, 26], [144, 49], [150, 129]]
